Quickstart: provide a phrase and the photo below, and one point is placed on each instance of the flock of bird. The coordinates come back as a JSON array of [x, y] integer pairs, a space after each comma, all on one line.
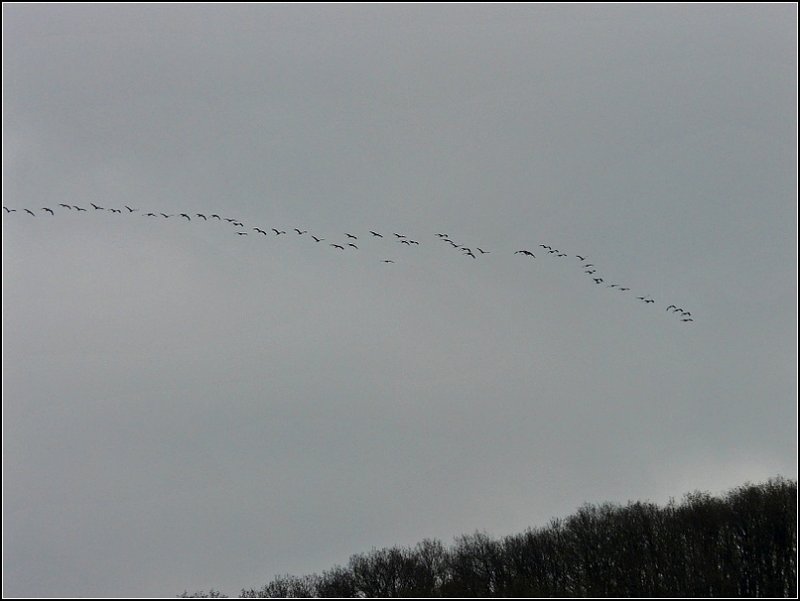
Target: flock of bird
[[349, 243]]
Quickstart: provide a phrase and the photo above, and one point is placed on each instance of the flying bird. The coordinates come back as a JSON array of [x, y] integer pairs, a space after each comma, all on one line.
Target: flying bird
[[96, 208], [317, 239], [31, 212], [399, 235], [483, 252], [300, 232], [7, 210], [260, 230], [278, 232], [165, 216], [338, 246], [77, 208], [525, 252], [353, 245], [130, 209], [241, 233], [48, 210], [387, 261], [187, 217], [581, 258], [63, 205], [203, 216], [597, 280], [217, 216], [150, 215], [376, 234], [351, 236]]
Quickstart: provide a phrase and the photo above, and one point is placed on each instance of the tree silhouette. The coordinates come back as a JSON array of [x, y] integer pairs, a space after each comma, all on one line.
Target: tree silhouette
[[743, 544]]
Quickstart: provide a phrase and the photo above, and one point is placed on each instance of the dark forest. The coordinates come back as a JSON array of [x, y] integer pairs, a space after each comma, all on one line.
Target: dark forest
[[741, 544]]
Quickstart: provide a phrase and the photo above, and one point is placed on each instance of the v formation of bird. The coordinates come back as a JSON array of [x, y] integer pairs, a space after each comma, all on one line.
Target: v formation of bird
[[588, 267]]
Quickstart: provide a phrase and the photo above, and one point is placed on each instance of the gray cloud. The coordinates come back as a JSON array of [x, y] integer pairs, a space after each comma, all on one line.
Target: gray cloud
[[186, 408]]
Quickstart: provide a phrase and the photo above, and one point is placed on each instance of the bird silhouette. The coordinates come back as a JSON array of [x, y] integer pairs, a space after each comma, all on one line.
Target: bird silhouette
[[351, 236], [241, 233], [77, 208], [96, 208], [581, 258], [31, 212], [399, 235], [150, 215], [376, 234], [48, 210], [525, 252], [63, 205], [217, 216], [277, 232], [130, 209], [259, 230], [300, 232], [597, 280], [165, 216], [353, 245], [483, 252], [203, 216], [317, 239], [338, 246], [387, 261], [187, 217], [7, 210]]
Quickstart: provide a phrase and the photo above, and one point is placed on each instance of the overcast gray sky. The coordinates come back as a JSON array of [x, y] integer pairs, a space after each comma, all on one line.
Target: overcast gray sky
[[187, 408]]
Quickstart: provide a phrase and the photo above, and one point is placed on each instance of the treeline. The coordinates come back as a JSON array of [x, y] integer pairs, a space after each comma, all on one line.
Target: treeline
[[742, 544]]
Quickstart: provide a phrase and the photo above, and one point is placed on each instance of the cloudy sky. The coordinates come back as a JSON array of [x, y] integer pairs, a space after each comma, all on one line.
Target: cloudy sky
[[185, 407]]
